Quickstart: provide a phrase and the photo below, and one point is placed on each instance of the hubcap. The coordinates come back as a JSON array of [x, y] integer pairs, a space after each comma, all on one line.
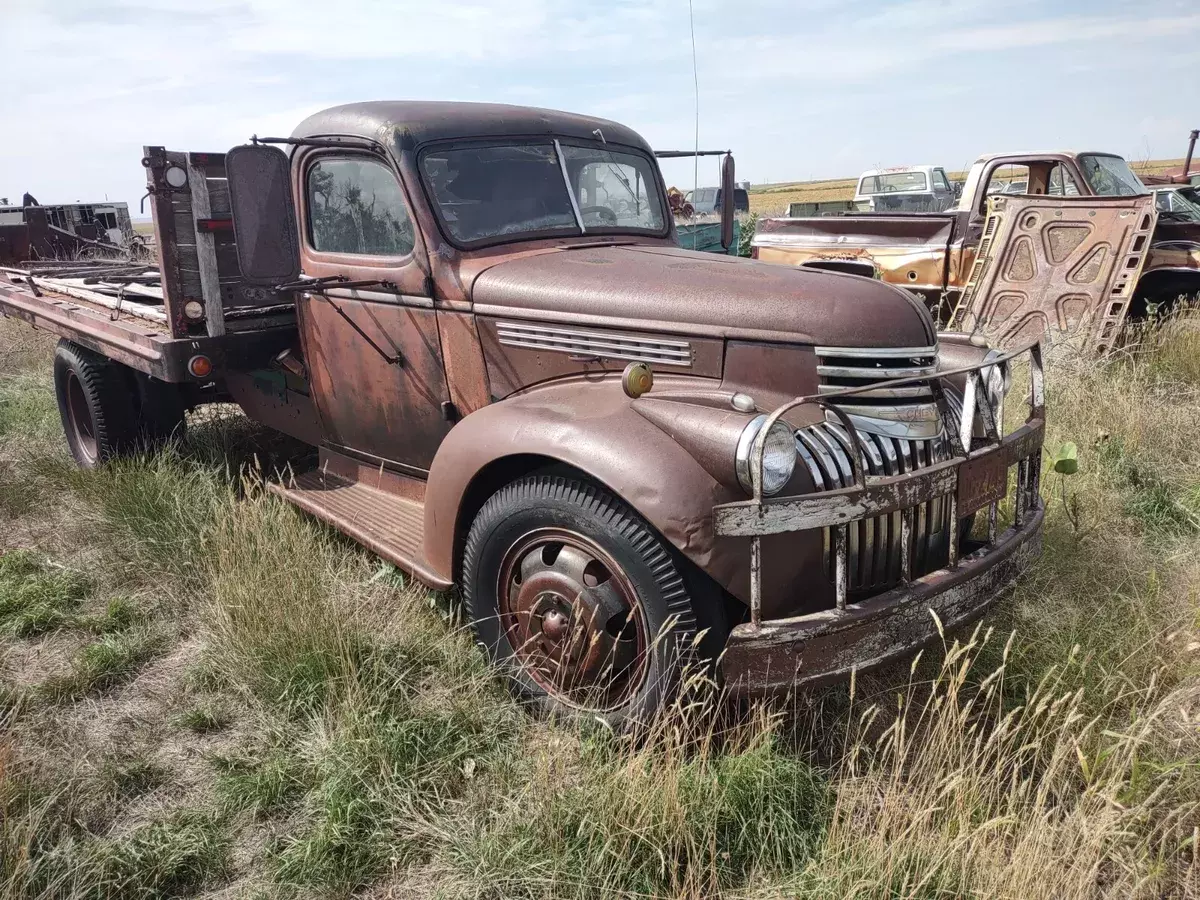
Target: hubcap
[[80, 417], [573, 618]]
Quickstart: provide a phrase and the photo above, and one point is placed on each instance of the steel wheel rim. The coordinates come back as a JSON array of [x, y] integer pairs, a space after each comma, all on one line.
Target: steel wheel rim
[[573, 619], [80, 417]]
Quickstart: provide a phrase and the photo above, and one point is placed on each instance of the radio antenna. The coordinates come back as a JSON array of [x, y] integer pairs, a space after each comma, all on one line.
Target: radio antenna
[[696, 88]]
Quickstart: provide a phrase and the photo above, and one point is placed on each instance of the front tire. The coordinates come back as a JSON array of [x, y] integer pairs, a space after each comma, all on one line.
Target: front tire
[[578, 600]]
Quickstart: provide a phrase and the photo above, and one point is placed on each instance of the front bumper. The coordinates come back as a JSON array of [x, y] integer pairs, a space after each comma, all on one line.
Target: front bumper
[[782, 655], [778, 655]]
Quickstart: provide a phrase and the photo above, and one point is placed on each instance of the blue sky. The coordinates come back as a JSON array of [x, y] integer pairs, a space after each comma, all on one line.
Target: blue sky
[[801, 89]]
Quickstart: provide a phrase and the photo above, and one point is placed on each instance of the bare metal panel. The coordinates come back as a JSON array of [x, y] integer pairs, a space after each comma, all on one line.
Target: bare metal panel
[[1059, 266]]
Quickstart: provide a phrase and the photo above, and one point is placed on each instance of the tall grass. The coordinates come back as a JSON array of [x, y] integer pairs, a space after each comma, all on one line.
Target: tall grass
[[1052, 752]]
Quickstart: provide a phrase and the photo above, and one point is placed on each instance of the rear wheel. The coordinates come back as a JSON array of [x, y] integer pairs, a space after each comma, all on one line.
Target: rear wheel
[[578, 601], [95, 404]]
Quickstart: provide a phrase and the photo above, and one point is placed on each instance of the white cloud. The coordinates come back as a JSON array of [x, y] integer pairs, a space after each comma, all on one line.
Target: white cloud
[[824, 87]]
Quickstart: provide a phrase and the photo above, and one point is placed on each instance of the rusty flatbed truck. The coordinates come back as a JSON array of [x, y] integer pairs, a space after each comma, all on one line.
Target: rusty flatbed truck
[[1081, 251], [518, 382]]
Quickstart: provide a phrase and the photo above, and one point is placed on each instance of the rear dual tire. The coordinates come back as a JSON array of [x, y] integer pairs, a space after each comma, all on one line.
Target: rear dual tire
[[109, 410]]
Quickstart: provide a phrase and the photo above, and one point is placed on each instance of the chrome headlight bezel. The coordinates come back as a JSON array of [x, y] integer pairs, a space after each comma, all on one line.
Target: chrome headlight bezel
[[779, 456], [997, 380]]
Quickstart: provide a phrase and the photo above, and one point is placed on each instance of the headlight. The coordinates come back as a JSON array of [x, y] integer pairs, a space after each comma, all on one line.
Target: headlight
[[997, 379], [779, 456]]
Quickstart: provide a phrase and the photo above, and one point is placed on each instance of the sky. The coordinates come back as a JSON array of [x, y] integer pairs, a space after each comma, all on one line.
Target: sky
[[798, 89]]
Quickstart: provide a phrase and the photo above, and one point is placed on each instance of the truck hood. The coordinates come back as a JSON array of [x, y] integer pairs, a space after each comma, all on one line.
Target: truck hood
[[682, 291]]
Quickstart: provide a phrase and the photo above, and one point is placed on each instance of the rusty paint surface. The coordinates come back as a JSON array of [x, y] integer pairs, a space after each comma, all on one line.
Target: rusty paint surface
[[462, 352], [390, 411], [1058, 266]]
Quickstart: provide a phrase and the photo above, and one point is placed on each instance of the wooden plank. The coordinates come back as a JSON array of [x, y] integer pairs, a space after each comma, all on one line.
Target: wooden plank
[[206, 252], [165, 237], [139, 310]]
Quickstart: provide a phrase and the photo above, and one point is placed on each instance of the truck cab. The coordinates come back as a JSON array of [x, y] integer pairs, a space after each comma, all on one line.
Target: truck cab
[[904, 188], [628, 456]]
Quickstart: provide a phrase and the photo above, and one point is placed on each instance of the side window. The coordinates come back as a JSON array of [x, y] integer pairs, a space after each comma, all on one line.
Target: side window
[[1062, 183], [1006, 180], [939, 180], [355, 205]]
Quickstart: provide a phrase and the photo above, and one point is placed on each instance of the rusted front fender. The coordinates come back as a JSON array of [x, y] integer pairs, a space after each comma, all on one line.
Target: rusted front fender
[[599, 432]]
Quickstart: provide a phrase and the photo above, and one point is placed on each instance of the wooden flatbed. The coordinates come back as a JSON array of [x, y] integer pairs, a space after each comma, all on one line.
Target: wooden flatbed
[[156, 315]]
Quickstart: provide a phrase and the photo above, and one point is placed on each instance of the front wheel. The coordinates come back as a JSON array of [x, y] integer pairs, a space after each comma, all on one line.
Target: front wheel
[[578, 601]]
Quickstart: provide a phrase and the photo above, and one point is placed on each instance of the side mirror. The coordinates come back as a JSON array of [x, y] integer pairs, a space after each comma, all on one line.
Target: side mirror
[[728, 201], [264, 225]]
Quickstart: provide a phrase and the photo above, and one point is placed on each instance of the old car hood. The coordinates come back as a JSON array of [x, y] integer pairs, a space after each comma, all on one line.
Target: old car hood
[[682, 291]]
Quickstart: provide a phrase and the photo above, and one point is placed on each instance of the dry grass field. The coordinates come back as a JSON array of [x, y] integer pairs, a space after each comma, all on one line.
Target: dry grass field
[[205, 693]]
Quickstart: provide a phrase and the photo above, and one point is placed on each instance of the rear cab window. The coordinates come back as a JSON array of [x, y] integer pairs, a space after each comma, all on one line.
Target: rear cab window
[[893, 182]]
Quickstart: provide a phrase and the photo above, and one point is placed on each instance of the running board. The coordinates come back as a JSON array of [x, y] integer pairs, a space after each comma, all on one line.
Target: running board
[[389, 526]]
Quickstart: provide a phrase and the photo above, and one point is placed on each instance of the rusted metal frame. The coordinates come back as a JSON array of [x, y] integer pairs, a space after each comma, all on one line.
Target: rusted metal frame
[[840, 576], [858, 462], [206, 246], [878, 496]]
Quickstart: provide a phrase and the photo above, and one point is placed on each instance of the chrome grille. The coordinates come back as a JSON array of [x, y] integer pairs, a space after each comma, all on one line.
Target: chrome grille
[[874, 557], [905, 413]]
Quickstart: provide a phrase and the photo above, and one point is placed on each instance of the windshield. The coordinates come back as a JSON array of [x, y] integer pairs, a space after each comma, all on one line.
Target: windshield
[[502, 192], [1110, 176], [893, 182], [1181, 205]]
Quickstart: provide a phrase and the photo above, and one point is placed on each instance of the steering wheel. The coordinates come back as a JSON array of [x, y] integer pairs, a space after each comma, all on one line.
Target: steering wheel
[[606, 215]]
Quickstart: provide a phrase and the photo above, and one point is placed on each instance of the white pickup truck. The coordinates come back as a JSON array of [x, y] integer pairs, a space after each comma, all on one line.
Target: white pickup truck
[[901, 189], [904, 189]]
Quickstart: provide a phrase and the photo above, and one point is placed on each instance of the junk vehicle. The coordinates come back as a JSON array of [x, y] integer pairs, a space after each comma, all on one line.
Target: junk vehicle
[[32, 231], [1177, 202], [898, 189], [627, 454], [1080, 251], [697, 213], [708, 200], [1185, 174], [905, 188]]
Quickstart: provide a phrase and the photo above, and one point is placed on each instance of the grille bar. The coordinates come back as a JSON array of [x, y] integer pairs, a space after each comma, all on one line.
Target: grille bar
[[609, 345], [883, 550], [906, 412]]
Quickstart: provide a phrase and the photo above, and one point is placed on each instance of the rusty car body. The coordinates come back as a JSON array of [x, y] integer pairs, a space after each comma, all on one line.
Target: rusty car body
[[1099, 253], [624, 452]]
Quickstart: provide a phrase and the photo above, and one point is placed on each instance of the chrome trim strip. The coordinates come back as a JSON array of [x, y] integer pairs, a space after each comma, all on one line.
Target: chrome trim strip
[[886, 393], [865, 374], [593, 343], [873, 352]]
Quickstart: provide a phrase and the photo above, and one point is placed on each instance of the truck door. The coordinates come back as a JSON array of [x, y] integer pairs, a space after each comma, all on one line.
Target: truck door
[[372, 351]]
